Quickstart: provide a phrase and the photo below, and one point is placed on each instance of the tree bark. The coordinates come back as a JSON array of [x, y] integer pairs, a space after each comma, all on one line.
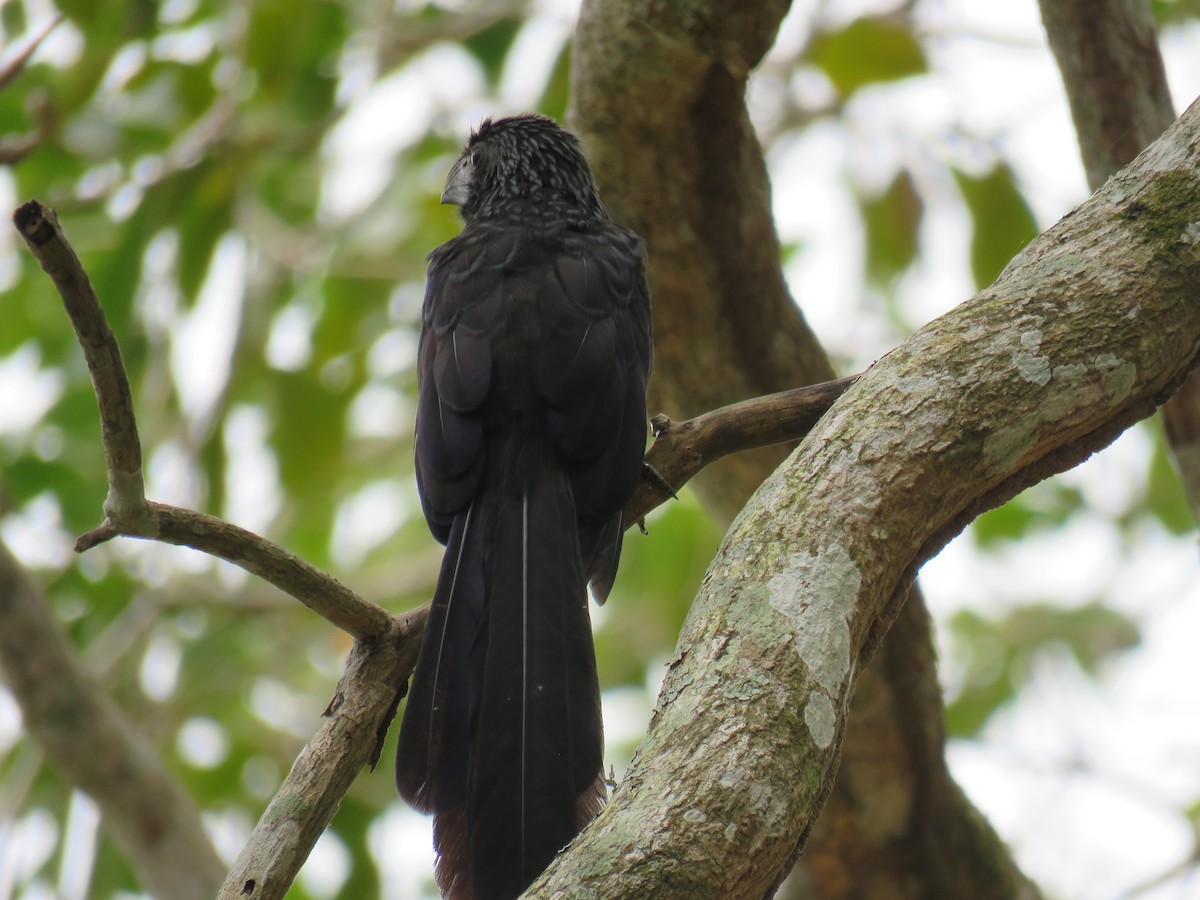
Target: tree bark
[[1108, 54], [658, 98], [1031, 376]]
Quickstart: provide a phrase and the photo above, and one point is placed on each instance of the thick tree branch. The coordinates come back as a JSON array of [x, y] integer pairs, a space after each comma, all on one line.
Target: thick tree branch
[[669, 80], [1107, 52], [1070, 346], [90, 741], [672, 77], [1117, 87]]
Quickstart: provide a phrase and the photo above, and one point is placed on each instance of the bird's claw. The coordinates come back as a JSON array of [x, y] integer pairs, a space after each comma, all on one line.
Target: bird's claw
[[650, 474]]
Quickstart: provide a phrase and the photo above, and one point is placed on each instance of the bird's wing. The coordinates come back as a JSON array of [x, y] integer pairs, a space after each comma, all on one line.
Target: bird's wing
[[592, 366], [464, 300]]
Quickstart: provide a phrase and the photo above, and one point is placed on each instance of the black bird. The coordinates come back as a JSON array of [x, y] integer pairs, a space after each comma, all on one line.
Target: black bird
[[531, 427]]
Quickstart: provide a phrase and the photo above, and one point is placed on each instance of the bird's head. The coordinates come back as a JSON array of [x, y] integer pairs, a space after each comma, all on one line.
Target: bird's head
[[521, 165]]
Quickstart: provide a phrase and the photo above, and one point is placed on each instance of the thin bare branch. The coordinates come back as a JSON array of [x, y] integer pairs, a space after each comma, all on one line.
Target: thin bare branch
[[682, 449], [319, 591], [127, 512], [39, 226], [13, 67]]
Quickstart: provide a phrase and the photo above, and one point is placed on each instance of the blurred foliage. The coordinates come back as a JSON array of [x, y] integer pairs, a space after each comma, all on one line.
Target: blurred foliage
[[253, 189], [1001, 218], [1163, 496], [867, 51], [1174, 11], [1000, 652], [1044, 508], [892, 222]]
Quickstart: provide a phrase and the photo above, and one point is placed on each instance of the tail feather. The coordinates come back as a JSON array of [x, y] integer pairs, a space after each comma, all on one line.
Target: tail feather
[[452, 842], [502, 735], [432, 755], [602, 552], [539, 706]]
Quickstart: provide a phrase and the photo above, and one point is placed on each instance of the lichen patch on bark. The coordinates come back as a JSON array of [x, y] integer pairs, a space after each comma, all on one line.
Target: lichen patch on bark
[[821, 719], [817, 593], [1119, 375], [1030, 365]]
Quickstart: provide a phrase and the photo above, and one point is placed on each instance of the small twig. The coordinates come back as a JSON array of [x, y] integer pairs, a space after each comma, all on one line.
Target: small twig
[[126, 503], [682, 449], [13, 67], [319, 591]]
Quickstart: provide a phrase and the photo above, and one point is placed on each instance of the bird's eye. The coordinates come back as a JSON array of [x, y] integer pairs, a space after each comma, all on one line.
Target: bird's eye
[[474, 157]]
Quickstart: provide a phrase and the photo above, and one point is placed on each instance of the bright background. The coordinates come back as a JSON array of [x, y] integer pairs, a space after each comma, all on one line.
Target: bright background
[[253, 189]]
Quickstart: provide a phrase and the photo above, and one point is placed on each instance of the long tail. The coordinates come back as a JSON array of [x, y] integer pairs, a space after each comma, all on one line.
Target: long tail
[[502, 733], [433, 751]]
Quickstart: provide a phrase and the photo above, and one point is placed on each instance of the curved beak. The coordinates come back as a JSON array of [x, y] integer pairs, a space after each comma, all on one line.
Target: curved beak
[[458, 183]]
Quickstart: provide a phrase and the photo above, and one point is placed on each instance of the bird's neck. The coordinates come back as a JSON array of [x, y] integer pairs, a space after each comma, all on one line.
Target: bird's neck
[[536, 212]]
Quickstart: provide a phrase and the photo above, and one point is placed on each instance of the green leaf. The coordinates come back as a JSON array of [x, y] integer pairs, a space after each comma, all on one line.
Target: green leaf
[[199, 201], [1165, 497], [12, 19], [998, 653], [1003, 222], [294, 56], [1173, 12], [1009, 522], [1193, 815], [491, 45], [553, 102], [892, 222], [308, 432], [867, 51], [1043, 507]]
